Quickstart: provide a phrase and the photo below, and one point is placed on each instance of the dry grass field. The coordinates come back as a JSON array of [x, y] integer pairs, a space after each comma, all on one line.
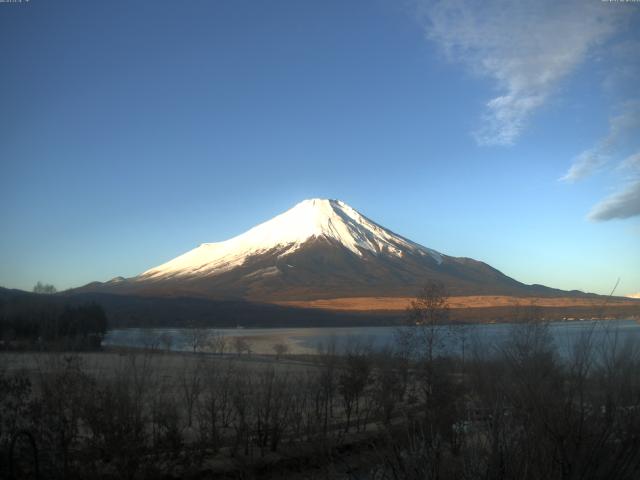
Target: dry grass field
[[461, 302]]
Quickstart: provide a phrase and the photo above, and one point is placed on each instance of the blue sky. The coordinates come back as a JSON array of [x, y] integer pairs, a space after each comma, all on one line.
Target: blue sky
[[508, 132]]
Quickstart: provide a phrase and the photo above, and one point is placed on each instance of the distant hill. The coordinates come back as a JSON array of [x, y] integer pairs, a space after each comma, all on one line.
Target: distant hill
[[144, 311]]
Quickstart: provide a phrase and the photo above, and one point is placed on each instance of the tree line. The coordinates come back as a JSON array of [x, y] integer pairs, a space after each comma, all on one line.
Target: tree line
[[28, 321]]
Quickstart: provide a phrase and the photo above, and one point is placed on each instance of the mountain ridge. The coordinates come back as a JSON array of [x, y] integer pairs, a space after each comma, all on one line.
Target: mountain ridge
[[310, 219], [319, 249]]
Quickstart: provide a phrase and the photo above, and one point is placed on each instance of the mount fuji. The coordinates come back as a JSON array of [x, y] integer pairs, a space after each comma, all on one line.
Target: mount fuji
[[319, 249]]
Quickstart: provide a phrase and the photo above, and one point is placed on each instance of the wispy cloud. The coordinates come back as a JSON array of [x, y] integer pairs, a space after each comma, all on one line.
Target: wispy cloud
[[527, 48], [585, 164], [623, 204], [622, 129], [626, 202], [631, 163], [611, 155], [623, 71], [624, 133]]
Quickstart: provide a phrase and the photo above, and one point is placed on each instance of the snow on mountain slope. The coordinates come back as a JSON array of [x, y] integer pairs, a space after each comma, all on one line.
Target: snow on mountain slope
[[314, 218], [319, 249]]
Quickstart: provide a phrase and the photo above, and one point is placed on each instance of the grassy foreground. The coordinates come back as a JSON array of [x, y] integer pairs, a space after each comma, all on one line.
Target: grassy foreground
[[513, 411]]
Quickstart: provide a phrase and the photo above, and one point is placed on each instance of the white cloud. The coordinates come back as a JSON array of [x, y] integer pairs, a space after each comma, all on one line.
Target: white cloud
[[624, 69], [622, 128], [623, 204], [631, 163], [527, 48], [624, 133], [634, 295], [585, 164]]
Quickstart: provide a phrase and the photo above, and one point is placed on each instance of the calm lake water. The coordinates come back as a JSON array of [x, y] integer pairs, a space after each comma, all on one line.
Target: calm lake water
[[308, 340]]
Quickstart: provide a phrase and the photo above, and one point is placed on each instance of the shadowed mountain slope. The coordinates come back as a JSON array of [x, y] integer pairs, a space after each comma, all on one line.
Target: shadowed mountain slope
[[319, 249]]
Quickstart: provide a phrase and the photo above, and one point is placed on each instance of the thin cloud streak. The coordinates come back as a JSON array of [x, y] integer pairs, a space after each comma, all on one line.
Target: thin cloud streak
[[632, 163], [527, 48], [620, 205], [585, 164], [624, 131], [622, 128]]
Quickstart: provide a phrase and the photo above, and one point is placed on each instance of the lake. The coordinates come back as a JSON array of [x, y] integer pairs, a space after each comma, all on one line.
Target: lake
[[307, 340]]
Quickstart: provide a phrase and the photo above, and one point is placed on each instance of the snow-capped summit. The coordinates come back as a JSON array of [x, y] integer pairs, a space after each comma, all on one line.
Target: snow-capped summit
[[318, 249], [315, 218]]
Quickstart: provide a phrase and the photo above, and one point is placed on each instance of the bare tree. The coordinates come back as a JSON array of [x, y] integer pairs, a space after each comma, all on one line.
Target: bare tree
[[44, 288], [241, 345], [149, 339], [166, 339], [217, 342], [353, 379], [191, 383], [63, 386], [390, 381], [117, 418], [427, 313], [216, 409], [272, 403], [197, 338], [327, 379], [460, 332], [280, 349], [241, 389], [424, 337]]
